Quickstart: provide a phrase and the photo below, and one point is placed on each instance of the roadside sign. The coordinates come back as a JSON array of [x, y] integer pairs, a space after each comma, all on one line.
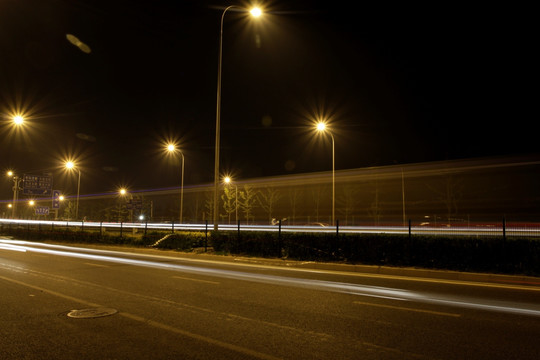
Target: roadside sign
[[134, 204], [38, 185], [56, 199], [42, 210]]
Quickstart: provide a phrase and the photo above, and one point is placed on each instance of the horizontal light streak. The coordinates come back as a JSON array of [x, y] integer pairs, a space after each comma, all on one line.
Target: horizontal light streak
[[339, 287], [473, 230], [4, 246], [196, 280], [407, 309]]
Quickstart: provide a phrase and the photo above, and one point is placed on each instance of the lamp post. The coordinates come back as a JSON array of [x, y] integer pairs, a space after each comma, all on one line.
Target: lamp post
[[228, 180], [172, 148], [16, 187], [321, 126], [18, 121], [255, 12], [71, 165], [123, 192], [60, 198]]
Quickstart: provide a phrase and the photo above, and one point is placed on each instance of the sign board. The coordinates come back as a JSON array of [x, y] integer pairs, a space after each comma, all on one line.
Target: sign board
[[56, 199], [42, 210], [37, 185], [134, 204]]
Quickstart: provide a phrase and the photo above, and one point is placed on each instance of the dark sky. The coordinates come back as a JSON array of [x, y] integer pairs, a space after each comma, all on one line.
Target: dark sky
[[397, 84]]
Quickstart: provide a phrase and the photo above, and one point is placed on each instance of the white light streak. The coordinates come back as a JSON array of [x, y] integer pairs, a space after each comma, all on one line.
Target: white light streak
[[517, 230], [339, 287]]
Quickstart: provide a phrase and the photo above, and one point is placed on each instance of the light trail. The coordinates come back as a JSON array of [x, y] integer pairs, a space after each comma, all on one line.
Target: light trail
[[322, 285], [519, 230]]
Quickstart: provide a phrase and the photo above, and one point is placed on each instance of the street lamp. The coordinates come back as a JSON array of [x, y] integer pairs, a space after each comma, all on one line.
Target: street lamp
[[71, 165], [16, 187], [18, 120], [228, 180], [171, 148], [321, 126], [123, 192], [255, 12]]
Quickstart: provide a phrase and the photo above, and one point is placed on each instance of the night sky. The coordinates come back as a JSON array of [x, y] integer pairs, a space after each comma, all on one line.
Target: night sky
[[397, 85]]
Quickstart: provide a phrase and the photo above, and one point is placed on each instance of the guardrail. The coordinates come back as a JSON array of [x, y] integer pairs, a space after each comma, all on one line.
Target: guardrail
[[480, 229]]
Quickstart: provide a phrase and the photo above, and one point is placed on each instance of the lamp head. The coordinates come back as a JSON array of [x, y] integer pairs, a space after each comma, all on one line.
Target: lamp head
[[256, 12], [18, 119]]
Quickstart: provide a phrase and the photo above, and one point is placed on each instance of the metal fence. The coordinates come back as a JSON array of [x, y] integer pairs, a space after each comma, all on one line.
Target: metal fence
[[501, 228]]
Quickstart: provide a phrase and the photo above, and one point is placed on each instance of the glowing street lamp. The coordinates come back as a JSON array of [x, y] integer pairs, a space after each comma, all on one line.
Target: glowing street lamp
[[123, 192], [16, 187], [321, 126], [228, 180], [71, 165], [255, 12], [18, 119], [171, 148]]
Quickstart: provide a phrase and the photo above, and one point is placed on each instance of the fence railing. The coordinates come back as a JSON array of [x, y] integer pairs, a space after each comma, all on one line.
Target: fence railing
[[501, 228]]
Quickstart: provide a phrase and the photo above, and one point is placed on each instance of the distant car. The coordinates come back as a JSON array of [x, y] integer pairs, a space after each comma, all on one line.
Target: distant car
[[276, 221], [317, 224]]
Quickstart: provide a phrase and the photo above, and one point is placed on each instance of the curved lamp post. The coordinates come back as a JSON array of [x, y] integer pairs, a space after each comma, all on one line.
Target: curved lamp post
[[71, 165], [172, 148], [18, 121], [16, 187], [321, 126], [255, 12]]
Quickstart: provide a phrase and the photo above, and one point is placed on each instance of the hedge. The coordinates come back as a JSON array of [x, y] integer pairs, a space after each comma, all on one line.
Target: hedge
[[472, 254]]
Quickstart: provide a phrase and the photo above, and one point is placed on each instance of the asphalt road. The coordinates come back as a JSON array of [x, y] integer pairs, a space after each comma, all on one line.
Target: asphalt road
[[149, 304]]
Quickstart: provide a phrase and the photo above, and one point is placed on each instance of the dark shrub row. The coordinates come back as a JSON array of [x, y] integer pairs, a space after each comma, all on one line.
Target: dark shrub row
[[483, 254]]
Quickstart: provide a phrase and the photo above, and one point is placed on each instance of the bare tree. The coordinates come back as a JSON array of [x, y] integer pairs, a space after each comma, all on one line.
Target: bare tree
[[267, 199], [449, 192], [229, 201], [248, 200], [209, 206], [348, 201], [293, 200], [316, 192], [375, 210]]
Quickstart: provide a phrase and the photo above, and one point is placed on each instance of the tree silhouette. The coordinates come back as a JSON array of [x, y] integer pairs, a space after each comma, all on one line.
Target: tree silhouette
[[267, 199], [248, 199]]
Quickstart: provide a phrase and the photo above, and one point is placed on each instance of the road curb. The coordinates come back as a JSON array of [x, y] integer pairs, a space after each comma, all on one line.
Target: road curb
[[446, 275]]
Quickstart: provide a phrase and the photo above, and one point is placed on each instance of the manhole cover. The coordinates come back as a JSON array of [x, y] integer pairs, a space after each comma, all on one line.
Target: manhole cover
[[91, 313]]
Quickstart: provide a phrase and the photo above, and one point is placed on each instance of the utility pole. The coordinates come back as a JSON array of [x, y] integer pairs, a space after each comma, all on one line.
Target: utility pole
[[16, 187]]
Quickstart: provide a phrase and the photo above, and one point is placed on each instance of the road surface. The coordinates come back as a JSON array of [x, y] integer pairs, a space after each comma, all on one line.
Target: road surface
[[72, 302]]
